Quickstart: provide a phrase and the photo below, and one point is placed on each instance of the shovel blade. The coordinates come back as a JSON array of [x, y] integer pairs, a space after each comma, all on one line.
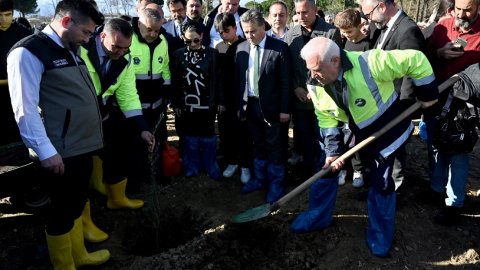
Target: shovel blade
[[253, 214]]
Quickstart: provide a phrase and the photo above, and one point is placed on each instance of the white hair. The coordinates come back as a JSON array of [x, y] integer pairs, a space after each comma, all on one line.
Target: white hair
[[324, 48]]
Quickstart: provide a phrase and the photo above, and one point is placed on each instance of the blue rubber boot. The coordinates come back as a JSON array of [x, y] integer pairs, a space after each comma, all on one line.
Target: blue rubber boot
[[191, 156], [381, 225], [209, 156], [259, 176], [276, 179], [323, 195]]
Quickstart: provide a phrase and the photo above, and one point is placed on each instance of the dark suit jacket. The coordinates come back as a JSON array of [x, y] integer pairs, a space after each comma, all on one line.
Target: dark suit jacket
[[274, 79], [405, 34]]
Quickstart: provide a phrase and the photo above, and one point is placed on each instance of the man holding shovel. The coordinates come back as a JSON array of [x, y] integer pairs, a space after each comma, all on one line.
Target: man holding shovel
[[357, 88]]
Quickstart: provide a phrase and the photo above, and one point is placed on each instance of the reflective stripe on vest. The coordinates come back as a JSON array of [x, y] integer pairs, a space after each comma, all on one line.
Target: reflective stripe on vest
[[152, 105], [155, 76], [424, 81], [372, 86], [387, 151]]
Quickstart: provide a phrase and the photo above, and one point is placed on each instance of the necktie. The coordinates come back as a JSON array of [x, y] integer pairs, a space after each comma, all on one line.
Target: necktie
[[104, 65], [256, 56]]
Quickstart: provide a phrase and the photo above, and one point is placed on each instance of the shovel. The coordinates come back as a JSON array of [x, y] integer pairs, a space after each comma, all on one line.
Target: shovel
[[265, 209], [3, 82]]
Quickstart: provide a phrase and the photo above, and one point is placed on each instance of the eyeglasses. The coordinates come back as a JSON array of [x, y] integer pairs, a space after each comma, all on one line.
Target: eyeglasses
[[369, 15], [189, 41]]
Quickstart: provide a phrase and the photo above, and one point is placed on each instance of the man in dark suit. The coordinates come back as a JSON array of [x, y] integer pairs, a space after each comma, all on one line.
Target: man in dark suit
[[396, 31], [262, 87]]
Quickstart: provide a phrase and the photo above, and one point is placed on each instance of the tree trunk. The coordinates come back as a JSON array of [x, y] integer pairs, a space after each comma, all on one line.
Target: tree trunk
[[410, 7], [417, 13]]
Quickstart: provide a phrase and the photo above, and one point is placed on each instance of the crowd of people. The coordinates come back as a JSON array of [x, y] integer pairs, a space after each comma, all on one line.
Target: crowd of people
[[89, 98]]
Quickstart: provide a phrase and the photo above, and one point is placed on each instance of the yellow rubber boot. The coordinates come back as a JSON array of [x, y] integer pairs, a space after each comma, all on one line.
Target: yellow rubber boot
[[96, 180], [60, 251], [80, 255], [91, 232], [117, 198]]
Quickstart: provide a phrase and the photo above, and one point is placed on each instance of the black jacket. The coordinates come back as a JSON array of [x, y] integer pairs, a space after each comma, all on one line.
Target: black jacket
[[209, 66], [8, 38], [404, 34]]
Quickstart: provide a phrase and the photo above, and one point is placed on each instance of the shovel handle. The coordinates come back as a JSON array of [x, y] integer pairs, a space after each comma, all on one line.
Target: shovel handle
[[360, 145], [3, 82]]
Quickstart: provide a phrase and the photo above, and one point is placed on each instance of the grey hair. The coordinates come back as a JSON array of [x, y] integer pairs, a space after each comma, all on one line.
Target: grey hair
[[118, 25], [328, 49], [152, 14], [253, 15]]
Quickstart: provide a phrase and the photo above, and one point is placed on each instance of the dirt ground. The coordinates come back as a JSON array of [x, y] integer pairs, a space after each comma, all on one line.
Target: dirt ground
[[186, 225]]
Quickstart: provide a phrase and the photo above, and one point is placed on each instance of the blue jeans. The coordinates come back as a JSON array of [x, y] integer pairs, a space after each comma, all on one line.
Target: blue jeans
[[451, 172]]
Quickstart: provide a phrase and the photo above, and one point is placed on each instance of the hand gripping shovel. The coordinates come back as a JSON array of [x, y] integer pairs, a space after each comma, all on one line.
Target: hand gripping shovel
[[265, 209]]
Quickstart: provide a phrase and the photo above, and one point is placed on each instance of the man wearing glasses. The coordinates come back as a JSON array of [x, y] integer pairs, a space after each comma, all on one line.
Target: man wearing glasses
[[398, 31], [149, 51], [47, 75], [395, 31]]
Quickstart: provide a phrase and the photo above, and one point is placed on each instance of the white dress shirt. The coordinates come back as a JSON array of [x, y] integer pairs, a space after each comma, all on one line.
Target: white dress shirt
[[261, 48], [272, 34], [24, 76], [215, 37], [389, 28]]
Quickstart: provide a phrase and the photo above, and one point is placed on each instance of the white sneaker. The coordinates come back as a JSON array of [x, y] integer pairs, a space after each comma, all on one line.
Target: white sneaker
[[245, 176], [357, 179], [341, 177], [295, 159], [230, 170]]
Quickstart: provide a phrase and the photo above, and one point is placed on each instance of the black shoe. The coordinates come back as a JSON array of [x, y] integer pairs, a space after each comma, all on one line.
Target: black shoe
[[448, 216], [431, 197]]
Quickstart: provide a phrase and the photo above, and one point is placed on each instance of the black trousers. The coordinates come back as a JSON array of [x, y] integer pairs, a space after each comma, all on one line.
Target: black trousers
[[122, 154], [235, 139], [68, 193], [268, 140]]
